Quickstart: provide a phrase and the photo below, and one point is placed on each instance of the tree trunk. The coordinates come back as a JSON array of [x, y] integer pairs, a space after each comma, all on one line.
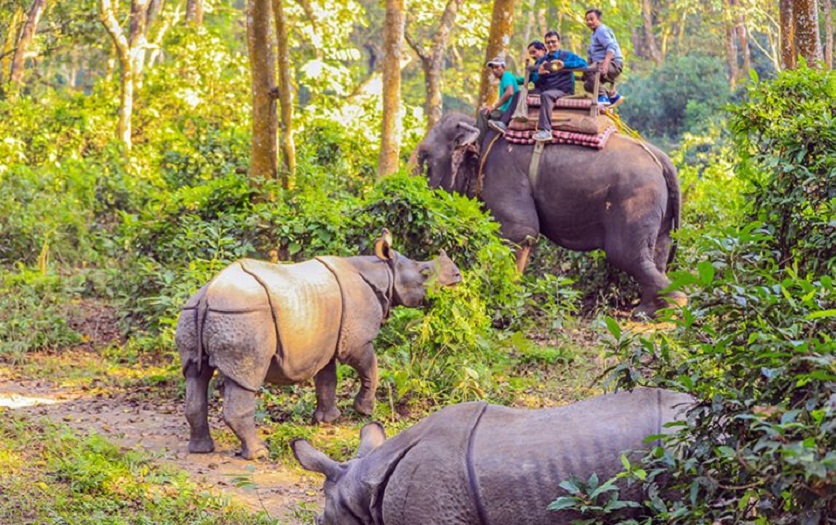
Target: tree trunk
[[649, 38], [787, 34], [731, 56], [502, 24], [194, 12], [743, 44], [9, 43], [393, 36], [729, 38], [432, 62], [807, 39], [107, 15], [27, 35], [138, 37], [285, 92], [264, 148], [827, 7]]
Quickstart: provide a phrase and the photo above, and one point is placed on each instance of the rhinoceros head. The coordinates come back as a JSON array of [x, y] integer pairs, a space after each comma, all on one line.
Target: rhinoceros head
[[348, 499], [413, 278]]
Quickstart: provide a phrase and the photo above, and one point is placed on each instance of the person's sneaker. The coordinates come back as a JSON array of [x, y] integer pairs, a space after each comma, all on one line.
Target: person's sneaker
[[615, 100], [498, 125], [604, 100], [544, 135]]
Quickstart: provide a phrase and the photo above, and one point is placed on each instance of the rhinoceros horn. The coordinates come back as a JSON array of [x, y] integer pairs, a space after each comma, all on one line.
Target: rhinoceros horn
[[383, 246]]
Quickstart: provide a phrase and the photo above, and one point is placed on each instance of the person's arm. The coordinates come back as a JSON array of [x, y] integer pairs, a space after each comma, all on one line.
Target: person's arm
[[508, 93], [573, 61], [607, 40]]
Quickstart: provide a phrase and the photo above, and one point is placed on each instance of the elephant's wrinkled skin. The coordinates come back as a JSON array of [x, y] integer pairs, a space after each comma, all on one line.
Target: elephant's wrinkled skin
[[283, 324], [480, 464], [617, 199]]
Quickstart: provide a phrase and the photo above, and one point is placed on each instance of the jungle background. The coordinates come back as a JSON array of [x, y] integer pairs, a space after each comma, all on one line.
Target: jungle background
[[146, 145]]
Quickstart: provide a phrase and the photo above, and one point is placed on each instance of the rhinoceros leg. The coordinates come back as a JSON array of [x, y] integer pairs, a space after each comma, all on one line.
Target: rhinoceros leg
[[326, 393], [239, 414], [197, 386], [365, 362]]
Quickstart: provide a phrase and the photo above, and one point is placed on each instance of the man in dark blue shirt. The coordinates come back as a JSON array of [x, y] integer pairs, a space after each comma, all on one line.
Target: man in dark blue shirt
[[552, 80]]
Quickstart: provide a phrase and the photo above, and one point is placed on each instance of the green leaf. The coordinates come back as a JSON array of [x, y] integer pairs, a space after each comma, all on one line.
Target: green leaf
[[820, 314], [612, 326], [706, 271], [563, 502]]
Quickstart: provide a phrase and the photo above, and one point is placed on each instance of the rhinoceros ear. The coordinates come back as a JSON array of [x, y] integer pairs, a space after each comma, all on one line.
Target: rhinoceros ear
[[314, 460], [383, 246], [372, 436]]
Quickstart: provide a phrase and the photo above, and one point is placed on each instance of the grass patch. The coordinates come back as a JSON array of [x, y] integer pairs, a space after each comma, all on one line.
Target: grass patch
[[52, 476]]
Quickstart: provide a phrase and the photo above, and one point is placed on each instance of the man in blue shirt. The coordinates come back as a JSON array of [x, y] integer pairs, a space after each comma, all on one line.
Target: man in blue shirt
[[605, 52], [552, 80], [491, 113]]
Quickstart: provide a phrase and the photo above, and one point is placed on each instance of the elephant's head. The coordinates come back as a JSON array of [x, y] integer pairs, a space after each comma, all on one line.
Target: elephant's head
[[450, 154], [413, 278]]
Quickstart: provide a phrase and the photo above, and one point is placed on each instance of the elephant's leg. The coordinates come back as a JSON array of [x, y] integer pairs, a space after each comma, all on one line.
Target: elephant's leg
[[642, 266], [366, 365], [239, 414], [524, 253], [326, 393], [197, 409]]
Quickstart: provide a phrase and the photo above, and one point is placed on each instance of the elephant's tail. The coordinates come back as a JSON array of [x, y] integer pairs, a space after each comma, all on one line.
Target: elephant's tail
[[674, 199]]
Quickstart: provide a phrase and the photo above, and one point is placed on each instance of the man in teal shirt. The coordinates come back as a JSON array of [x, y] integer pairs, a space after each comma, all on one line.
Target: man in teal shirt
[[508, 87]]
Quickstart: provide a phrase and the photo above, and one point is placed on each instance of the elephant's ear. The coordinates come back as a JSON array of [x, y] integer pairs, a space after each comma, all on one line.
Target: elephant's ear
[[465, 135], [372, 436], [314, 460], [383, 246]]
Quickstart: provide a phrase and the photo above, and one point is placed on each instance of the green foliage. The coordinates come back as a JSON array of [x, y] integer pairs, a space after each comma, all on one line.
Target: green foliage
[[599, 501], [33, 313], [786, 134], [679, 96], [756, 345]]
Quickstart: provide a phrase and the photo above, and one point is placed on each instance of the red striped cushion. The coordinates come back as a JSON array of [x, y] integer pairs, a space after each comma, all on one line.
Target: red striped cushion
[[563, 137], [565, 102]]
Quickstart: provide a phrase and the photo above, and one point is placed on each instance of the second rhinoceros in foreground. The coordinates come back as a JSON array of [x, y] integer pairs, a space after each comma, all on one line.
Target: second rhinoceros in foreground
[[283, 324], [481, 464]]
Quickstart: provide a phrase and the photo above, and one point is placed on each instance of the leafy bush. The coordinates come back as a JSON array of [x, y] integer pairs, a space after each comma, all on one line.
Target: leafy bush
[[787, 135], [33, 313]]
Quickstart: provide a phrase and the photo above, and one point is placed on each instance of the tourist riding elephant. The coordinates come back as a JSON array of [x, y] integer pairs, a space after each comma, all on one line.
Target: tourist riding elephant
[[623, 199]]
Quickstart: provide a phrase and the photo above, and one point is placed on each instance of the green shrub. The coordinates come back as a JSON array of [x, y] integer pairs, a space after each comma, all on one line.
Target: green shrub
[[786, 135]]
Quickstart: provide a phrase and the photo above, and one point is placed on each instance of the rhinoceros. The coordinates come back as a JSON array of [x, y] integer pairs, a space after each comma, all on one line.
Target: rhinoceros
[[481, 464], [262, 322]]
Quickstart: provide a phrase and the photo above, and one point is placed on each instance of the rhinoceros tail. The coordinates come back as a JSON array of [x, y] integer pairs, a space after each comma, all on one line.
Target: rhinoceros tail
[[200, 312]]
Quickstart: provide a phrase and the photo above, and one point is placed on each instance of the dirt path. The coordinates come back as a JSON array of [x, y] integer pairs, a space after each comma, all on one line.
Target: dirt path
[[159, 427]]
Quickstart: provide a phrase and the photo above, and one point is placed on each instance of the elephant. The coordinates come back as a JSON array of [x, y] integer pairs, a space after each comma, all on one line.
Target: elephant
[[475, 463], [623, 199], [262, 322]]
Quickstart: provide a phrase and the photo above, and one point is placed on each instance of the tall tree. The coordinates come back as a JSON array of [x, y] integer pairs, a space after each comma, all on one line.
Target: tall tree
[[807, 39], [827, 8], [10, 41], [649, 37], [393, 36], [263, 148], [729, 40], [27, 36], [285, 95], [194, 12], [432, 60], [499, 38], [743, 43], [787, 21]]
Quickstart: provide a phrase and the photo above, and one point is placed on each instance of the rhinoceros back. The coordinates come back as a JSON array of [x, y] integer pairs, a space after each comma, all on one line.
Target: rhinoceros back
[[519, 457], [260, 314]]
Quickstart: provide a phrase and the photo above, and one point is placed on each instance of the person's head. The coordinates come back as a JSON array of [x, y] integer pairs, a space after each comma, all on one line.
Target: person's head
[[593, 19], [536, 50], [497, 66], [552, 40]]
